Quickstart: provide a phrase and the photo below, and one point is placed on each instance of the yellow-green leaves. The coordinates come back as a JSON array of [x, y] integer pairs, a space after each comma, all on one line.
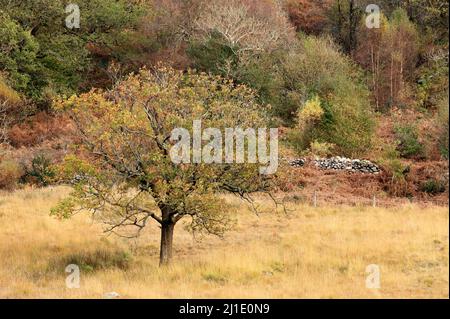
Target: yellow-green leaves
[[123, 169], [73, 168], [312, 111]]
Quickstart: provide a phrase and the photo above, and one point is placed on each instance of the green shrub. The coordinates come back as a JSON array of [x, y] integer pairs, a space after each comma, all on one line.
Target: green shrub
[[41, 171], [321, 149], [265, 77], [432, 82], [395, 177], [318, 68], [409, 145], [215, 55], [433, 187]]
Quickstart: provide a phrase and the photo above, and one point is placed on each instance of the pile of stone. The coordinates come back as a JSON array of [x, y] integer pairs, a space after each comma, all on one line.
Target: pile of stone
[[340, 163], [297, 162]]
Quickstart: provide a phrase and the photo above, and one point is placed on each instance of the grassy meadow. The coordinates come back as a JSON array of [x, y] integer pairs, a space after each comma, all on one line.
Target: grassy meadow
[[308, 253]]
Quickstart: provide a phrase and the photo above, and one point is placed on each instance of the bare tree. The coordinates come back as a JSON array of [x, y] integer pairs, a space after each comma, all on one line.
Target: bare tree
[[250, 26]]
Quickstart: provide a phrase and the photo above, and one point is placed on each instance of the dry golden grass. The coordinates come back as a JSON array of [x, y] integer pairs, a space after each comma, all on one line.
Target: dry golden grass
[[312, 253]]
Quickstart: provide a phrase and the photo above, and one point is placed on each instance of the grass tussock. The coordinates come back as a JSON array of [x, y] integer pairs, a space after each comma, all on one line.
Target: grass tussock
[[309, 253], [91, 261]]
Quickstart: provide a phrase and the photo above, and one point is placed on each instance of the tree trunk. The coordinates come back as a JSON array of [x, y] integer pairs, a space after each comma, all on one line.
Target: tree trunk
[[165, 254], [352, 27], [339, 20]]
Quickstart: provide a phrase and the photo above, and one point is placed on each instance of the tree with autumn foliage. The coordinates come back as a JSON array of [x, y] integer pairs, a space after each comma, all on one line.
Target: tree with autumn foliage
[[123, 172], [390, 53]]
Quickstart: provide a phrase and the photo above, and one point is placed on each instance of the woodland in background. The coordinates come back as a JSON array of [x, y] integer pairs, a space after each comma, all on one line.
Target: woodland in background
[[334, 86]]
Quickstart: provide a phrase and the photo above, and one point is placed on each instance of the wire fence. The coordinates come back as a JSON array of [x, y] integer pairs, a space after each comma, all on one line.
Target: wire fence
[[324, 199]]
